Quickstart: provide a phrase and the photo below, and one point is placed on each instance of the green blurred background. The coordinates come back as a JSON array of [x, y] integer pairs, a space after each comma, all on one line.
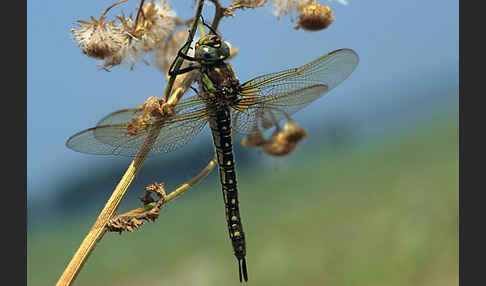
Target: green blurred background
[[370, 197], [382, 213]]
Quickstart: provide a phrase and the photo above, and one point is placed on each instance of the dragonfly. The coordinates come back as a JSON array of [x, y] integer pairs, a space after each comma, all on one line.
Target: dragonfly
[[227, 106]]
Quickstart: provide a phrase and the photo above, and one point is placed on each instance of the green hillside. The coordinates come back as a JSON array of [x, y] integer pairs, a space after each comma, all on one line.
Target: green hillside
[[385, 213]]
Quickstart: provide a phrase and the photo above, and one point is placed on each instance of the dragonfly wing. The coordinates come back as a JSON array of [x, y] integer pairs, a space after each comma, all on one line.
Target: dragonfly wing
[[125, 115], [109, 136], [265, 115], [267, 99], [119, 117]]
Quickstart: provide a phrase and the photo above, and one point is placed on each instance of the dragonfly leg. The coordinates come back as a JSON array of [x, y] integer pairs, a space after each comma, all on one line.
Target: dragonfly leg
[[182, 71], [184, 56]]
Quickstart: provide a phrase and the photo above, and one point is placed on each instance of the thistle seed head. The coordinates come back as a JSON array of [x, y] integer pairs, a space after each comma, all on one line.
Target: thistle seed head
[[285, 7], [315, 17], [130, 39], [99, 39]]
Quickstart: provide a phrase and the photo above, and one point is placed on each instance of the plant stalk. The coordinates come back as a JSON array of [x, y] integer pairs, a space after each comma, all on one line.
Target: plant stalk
[[99, 227], [180, 60]]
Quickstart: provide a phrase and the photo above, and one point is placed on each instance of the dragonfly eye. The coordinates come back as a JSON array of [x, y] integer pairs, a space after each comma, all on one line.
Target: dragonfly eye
[[209, 54], [226, 49]]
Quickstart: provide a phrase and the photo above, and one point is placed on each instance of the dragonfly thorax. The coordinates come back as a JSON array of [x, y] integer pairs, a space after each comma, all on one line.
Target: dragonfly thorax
[[219, 84], [218, 81]]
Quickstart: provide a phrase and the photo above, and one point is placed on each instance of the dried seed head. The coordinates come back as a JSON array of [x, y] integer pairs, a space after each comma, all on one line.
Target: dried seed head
[[156, 187], [315, 17], [129, 40], [133, 219], [124, 223], [136, 126], [155, 23], [253, 139], [283, 142], [99, 39], [276, 145], [152, 109], [293, 132], [285, 7]]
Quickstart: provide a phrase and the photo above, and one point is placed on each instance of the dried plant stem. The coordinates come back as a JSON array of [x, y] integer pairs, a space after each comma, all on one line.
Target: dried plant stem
[[204, 172], [180, 60], [158, 188], [111, 6], [140, 11], [99, 227], [218, 14]]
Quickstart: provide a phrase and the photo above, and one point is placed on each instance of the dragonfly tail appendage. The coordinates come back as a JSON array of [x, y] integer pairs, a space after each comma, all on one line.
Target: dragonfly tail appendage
[[239, 270], [242, 269]]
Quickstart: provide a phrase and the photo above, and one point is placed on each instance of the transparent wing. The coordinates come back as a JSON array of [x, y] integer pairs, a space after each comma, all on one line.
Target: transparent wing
[[267, 99], [109, 136]]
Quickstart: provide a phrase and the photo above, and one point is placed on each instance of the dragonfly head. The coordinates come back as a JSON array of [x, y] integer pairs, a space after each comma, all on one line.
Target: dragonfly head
[[211, 49]]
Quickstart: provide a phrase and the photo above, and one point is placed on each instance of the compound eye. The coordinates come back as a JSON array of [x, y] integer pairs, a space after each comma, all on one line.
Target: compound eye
[[208, 53], [226, 48]]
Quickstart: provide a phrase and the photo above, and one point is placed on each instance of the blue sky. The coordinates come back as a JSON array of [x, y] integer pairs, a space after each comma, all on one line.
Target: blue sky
[[397, 41]]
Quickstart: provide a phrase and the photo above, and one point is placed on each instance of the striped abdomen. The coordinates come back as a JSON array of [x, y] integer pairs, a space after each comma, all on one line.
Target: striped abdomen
[[220, 123]]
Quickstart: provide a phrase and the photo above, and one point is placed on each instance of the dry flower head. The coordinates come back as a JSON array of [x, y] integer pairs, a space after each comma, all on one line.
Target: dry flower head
[[154, 108], [253, 139], [284, 142], [99, 38], [128, 40], [285, 7], [133, 219], [315, 17], [155, 23]]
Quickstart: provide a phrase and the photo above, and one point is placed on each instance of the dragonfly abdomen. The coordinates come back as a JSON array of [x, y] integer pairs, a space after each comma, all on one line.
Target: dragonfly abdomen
[[220, 123]]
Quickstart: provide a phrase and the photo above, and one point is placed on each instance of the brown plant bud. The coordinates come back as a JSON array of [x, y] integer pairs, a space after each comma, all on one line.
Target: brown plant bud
[[283, 142], [253, 139], [315, 17]]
